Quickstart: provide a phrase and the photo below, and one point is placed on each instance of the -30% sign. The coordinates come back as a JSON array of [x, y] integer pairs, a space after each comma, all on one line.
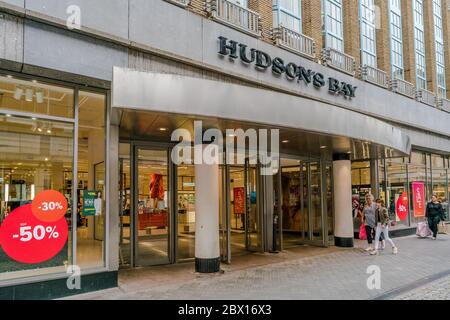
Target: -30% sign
[[49, 205]]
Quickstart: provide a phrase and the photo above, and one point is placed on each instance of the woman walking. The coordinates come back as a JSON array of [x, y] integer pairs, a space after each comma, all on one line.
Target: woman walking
[[369, 220], [434, 214], [382, 226]]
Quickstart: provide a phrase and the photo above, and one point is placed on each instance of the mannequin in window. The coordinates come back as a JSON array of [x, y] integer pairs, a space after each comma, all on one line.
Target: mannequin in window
[[156, 189]]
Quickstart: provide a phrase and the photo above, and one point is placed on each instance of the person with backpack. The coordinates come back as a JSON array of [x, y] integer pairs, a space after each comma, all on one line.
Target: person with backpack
[[382, 226], [434, 214]]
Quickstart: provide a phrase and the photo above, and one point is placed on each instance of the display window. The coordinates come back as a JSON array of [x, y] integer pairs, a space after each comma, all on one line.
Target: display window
[[52, 176]]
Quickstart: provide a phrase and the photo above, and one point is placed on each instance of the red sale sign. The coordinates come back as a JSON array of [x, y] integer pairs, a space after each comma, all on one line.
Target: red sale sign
[[239, 200], [418, 189], [26, 239], [402, 206], [49, 205]]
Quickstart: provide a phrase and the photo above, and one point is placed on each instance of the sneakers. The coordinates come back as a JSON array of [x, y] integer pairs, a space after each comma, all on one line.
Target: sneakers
[[434, 238], [394, 250], [374, 252], [383, 245], [368, 249]]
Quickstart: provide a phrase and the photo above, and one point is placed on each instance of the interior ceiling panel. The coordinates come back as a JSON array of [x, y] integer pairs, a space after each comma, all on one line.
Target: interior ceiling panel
[[153, 126]]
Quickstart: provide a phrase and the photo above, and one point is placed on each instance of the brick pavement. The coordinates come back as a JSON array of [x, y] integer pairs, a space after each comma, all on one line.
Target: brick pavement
[[335, 274], [436, 290]]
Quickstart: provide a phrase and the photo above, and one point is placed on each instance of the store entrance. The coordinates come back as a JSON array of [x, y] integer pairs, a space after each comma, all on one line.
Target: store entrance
[[303, 203], [151, 206], [243, 213]]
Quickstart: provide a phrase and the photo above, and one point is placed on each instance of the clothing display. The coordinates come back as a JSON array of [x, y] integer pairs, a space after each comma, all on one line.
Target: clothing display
[[157, 187]]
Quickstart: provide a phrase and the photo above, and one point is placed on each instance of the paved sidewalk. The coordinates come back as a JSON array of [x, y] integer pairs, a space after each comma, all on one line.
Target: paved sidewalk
[[436, 290], [302, 273]]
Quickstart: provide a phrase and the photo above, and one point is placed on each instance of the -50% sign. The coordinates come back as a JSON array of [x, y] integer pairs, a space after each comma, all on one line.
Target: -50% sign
[[36, 232], [39, 232]]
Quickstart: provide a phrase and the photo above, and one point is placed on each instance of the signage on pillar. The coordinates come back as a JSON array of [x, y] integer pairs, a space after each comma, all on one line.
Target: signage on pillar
[[36, 232], [402, 206], [418, 199]]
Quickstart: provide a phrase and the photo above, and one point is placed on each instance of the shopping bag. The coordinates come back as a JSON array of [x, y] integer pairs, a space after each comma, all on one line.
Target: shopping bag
[[442, 228], [423, 230], [362, 232]]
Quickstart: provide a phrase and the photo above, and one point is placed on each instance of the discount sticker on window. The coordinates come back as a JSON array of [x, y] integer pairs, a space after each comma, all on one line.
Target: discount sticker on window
[[36, 232]]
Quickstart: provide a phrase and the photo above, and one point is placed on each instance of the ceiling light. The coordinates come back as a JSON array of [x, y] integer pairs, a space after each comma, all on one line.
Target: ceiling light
[[18, 93], [29, 95], [323, 147], [39, 97], [285, 141], [9, 76], [49, 131], [8, 115], [39, 129], [34, 119], [46, 159], [34, 81], [162, 129]]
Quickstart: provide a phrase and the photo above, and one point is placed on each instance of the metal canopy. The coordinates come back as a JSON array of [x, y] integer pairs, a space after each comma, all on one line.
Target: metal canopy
[[143, 103]]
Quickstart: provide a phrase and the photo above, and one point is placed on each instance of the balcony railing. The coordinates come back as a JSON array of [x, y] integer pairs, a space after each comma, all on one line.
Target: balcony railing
[[235, 16], [444, 104], [426, 97], [181, 3], [375, 76], [339, 60], [403, 87], [294, 42]]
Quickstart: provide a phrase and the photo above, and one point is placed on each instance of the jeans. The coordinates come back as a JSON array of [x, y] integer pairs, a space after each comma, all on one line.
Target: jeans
[[370, 232], [433, 223], [380, 230]]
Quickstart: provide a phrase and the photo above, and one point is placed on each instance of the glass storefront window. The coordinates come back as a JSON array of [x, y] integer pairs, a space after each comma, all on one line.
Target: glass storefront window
[[186, 212], [396, 186], [417, 176], [37, 131], [91, 187], [125, 204], [34, 159], [361, 180], [36, 97]]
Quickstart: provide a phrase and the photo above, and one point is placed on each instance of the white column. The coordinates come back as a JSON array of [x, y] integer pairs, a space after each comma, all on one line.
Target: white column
[[343, 218], [207, 246]]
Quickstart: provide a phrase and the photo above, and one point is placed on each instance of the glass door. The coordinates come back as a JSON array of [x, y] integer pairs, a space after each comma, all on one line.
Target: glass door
[[151, 206], [253, 216], [225, 214]]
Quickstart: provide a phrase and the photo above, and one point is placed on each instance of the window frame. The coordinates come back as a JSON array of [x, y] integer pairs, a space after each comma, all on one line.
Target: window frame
[[396, 42], [278, 10], [340, 21], [366, 23]]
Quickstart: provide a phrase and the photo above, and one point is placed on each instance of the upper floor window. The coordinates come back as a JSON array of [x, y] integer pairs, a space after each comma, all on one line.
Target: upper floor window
[[395, 28], [368, 39], [419, 44], [289, 14], [242, 3], [439, 39], [333, 24]]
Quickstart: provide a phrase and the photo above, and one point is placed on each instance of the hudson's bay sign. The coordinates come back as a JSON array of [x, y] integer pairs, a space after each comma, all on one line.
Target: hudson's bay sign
[[264, 61]]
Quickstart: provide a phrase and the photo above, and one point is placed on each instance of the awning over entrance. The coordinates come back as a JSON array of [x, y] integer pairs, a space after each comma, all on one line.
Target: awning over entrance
[[196, 97]]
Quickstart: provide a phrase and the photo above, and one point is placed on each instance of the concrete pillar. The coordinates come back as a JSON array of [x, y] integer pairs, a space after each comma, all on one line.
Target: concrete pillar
[[342, 178], [207, 244]]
